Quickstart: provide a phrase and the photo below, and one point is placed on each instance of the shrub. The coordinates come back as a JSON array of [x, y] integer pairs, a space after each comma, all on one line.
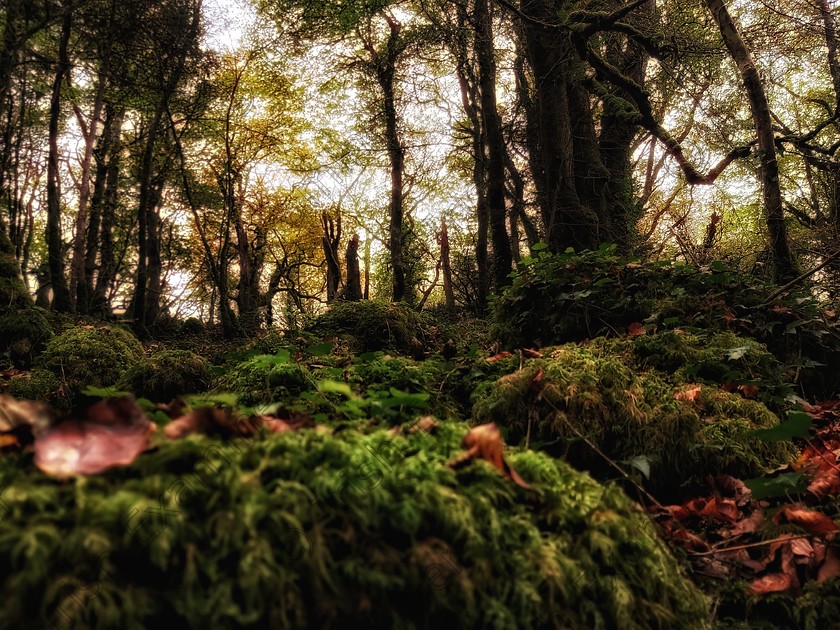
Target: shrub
[[89, 355], [167, 374], [307, 530], [40, 385]]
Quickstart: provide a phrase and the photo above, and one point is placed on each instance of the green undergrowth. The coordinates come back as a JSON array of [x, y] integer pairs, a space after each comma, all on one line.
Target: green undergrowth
[[85, 356], [577, 393], [369, 325], [572, 296], [167, 374], [332, 531], [817, 606]]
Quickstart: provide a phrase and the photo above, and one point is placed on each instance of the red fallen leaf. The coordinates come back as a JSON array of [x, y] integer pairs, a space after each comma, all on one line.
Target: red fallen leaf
[[211, 421], [830, 567], [802, 550], [830, 313], [531, 354], [746, 525], [174, 408], [734, 487], [24, 415], [298, 356], [636, 329], [721, 510], [809, 520], [275, 425], [749, 391], [534, 385], [688, 393], [825, 483], [633, 266], [499, 356], [781, 310], [113, 433], [771, 583], [485, 441]]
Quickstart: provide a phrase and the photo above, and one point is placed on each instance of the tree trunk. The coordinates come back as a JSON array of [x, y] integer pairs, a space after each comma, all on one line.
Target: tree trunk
[[494, 143], [446, 265], [353, 286], [784, 265], [367, 268], [55, 248], [107, 262], [330, 242]]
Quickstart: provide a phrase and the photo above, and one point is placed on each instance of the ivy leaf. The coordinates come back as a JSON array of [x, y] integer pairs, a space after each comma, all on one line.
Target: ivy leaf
[[798, 424], [763, 488]]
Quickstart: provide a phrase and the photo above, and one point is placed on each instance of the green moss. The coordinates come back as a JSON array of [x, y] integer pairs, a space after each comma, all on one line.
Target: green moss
[[40, 385], [88, 355], [629, 413], [372, 325], [310, 530], [265, 379], [167, 374], [24, 333]]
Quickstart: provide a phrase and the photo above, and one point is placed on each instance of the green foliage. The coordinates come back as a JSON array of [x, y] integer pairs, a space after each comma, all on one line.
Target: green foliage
[[557, 298], [310, 530], [627, 413], [373, 325], [192, 326], [817, 606], [89, 355], [167, 374], [266, 378]]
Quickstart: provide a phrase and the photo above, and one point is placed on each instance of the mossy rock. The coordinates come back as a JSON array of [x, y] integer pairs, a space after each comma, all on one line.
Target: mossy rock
[[41, 385], [266, 379], [373, 325], [629, 413], [24, 333], [167, 374], [192, 327], [91, 355], [309, 530]]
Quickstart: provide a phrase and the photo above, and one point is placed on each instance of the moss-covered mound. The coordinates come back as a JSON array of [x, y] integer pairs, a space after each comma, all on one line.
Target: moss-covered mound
[[557, 298], [23, 333], [40, 385], [371, 325], [306, 530], [266, 379], [90, 355], [167, 374], [628, 413]]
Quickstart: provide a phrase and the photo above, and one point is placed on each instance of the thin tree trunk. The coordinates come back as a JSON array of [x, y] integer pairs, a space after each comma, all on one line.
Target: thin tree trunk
[[367, 268], [446, 266], [353, 286], [330, 242], [784, 265], [494, 143], [55, 249]]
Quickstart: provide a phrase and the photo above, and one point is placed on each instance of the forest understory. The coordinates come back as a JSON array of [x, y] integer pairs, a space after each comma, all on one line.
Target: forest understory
[[618, 445]]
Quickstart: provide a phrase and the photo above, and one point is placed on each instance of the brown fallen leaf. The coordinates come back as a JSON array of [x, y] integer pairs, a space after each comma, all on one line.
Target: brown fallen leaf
[[109, 433], [749, 391], [485, 441], [809, 520], [531, 354], [24, 415], [210, 421], [689, 393], [830, 567], [499, 356], [636, 329], [771, 583]]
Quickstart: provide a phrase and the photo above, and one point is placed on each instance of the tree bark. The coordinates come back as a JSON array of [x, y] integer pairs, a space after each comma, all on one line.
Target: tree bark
[[446, 265], [330, 242], [784, 265], [494, 143], [353, 286], [55, 248]]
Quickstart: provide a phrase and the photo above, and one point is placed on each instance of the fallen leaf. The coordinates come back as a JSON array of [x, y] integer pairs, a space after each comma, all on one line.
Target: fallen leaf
[[110, 433], [636, 329], [499, 356], [211, 421], [771, 583], [749, 391], [531, 354], [23, 414], [689, 393], [485, 441], [830, 567], [809, 520]]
